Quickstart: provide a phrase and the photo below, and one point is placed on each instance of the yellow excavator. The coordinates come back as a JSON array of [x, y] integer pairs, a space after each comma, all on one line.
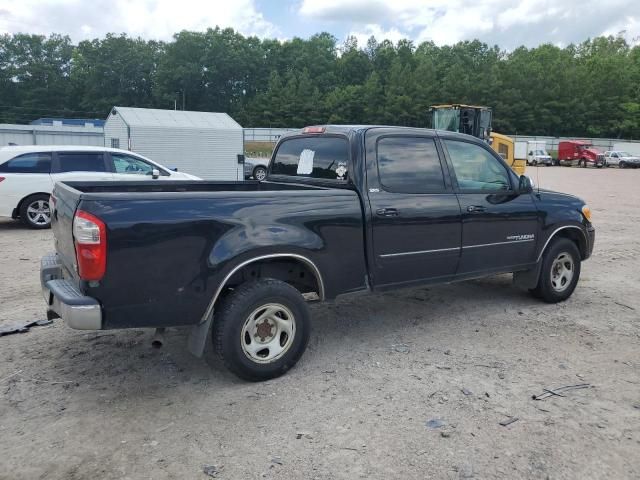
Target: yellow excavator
[[475, 120]]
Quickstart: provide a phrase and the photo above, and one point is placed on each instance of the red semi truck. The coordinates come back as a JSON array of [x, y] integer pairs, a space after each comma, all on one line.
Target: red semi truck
[[581, 151]]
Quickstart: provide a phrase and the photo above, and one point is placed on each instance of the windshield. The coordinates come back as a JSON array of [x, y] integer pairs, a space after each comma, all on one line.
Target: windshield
[[540, 153], [446, 119], [624, 154]]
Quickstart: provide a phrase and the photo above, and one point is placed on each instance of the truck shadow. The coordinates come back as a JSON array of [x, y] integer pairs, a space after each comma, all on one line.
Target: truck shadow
[[351, 326]]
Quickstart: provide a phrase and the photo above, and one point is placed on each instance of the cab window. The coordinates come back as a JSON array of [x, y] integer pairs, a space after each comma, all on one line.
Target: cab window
[[131, 165], [28, 163], [476, 168], [409, 165]]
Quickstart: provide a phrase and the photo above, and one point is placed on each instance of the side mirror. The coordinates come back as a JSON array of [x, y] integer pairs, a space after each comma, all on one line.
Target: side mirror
[[525, 185], [175, 169], [155, 173]]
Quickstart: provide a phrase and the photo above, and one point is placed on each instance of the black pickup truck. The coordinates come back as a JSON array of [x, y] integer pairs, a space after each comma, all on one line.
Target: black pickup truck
[[343, 210]]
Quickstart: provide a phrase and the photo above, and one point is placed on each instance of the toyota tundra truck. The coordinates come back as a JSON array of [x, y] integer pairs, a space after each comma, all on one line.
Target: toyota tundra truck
[[343, 210]]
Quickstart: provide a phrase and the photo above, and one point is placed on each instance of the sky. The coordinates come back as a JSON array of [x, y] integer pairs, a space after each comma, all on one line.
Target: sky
[[508, 24]]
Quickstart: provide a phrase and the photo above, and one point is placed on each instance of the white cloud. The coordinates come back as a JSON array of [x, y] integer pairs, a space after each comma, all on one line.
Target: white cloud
[[156, 19], [503, 22], [378, 32]]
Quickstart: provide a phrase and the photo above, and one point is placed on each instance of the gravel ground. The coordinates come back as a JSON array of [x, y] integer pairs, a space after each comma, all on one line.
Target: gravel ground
[[78, 405]]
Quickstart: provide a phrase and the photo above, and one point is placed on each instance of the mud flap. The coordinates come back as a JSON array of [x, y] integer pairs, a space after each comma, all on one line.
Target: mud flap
[[197, 341], [527, 279]]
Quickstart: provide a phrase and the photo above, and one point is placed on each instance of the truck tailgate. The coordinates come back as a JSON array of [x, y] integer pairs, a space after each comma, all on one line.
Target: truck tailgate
[[65, 202]]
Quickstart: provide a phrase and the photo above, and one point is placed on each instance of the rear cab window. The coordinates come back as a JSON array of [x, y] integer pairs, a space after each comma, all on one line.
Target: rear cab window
[[39, 162], [323, 157]]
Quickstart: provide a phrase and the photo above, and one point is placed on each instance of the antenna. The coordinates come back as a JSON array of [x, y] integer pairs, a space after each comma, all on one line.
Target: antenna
[[538, 178]]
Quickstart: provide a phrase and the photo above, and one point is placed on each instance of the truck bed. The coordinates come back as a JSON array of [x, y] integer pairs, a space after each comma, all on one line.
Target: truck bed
[[175, 240], [196, 186]]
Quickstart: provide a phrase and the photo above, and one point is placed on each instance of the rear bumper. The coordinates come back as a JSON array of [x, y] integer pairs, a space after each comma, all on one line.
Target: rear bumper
[[65, 300]]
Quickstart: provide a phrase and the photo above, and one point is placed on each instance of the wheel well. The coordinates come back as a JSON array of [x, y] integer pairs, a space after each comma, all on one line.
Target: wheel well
[[576, 237], [17, 209], [301, 275]]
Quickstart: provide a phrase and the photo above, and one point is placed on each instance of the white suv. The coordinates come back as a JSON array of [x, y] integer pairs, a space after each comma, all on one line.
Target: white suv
[[28, 173]]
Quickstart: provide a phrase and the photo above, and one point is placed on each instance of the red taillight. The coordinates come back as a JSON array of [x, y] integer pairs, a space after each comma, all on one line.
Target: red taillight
[[313, 130], [90, 235], [1, 179]]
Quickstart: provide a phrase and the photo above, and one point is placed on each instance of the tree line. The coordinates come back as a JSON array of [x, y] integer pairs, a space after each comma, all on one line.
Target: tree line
[[591, 89]]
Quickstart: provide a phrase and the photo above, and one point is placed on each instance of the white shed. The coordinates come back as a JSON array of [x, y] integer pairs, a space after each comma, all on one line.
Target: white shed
[[205, 144]]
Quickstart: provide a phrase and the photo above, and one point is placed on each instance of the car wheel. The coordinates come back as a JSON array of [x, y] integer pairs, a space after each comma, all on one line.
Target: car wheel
[[534, 163], [262, 329], [623, 165], [35, 211], [559, 272], [260, 173]]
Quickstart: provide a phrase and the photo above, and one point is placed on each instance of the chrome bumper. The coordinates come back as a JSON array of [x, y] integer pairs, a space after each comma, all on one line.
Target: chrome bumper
[[65, 300]]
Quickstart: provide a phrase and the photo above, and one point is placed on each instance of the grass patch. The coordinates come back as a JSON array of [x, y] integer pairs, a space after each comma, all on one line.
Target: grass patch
[[258, 149]]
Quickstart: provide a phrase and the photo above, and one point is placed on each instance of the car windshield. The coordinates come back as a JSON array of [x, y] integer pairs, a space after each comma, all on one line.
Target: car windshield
[[540, 153], [624, 154]]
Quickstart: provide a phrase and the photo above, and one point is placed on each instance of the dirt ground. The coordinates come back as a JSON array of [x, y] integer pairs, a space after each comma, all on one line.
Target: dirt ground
[[80, 405]]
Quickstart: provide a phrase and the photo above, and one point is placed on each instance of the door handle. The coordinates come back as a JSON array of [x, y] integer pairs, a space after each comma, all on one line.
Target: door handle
[[387, 212], [475, 209]]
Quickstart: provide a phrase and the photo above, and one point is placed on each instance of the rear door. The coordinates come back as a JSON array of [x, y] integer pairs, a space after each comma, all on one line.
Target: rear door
[[21, 176], [82, 166], [415, 225], [499, 226]]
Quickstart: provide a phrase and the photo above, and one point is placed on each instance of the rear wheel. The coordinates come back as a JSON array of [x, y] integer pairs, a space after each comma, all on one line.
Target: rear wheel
[[262, 329], [35, 211], [559, 272]]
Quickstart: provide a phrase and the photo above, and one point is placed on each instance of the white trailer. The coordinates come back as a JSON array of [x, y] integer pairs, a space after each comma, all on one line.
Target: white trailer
[[632, 147], [520, 150], [205, 144]]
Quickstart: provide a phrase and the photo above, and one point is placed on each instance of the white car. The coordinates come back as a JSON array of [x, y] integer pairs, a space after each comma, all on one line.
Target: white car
[[621, 159], [28, 174]]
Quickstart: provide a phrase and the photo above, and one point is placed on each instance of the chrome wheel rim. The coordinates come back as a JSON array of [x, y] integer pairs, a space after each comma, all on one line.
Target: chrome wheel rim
[[39, 212], [268, 333], [260, 174], [562, 271]]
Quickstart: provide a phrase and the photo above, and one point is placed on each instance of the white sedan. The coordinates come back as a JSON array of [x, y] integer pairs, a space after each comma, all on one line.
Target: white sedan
[[28, 174]]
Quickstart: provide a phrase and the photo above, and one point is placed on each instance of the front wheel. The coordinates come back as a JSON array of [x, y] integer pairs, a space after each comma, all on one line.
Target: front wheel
[[262, 329], [35, 211], [260, 173], [623, 165], [559, 272]]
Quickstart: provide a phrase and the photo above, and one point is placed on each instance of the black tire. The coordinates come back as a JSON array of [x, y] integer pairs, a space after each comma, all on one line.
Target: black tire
[[41, 220], [583, 161], [259, 173], [623, 165], [545, 289], [241, 307], [534, 163]]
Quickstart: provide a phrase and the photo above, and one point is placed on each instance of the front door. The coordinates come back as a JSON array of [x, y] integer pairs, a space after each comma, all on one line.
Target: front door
[[415, 216], [499, 225]]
